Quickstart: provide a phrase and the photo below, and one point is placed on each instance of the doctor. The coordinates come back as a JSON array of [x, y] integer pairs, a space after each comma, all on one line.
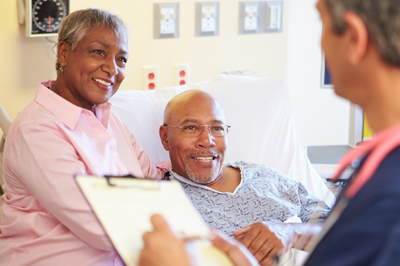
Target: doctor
[[361, 40]]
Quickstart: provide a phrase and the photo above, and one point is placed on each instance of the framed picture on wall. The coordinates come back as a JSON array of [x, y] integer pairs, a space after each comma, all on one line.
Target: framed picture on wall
[[326, 80]]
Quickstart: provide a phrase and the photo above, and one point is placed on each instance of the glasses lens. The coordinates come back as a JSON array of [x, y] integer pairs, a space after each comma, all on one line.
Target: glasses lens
[[194, 130], [191, 130], [218, 130]]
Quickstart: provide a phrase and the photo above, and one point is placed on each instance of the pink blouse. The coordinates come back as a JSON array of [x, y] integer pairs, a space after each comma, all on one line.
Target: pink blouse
[[44, 218]]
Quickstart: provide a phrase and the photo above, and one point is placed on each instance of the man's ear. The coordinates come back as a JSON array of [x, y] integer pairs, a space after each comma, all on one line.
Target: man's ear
[[63, 50], [164, 137], [357, 37]]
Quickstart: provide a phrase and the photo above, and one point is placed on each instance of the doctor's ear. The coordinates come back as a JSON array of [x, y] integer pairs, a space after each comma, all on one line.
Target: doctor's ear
[[164, 137], [357, 37]]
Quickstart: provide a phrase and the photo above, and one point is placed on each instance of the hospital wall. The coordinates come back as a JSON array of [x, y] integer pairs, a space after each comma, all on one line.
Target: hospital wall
[[321, 117], [27, 61]]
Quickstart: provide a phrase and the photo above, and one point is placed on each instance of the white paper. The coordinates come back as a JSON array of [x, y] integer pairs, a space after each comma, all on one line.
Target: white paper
[[125, 209]]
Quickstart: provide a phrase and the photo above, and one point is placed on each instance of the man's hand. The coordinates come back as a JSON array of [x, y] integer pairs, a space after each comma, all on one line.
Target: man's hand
[[162, 246], [267, 240]]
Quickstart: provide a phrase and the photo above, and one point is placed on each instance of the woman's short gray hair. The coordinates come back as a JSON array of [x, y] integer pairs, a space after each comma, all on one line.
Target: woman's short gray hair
[[79, 23], [382, 19]]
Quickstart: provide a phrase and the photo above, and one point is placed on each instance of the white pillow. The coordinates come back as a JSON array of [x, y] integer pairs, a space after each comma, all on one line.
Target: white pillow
[[258, 109]]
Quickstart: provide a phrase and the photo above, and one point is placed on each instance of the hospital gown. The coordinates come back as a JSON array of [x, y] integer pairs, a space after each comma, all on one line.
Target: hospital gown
[[263, 194]]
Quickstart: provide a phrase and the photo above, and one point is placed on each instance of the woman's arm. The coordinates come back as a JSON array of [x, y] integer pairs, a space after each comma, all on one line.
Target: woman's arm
[[149, 169], [41, 162]]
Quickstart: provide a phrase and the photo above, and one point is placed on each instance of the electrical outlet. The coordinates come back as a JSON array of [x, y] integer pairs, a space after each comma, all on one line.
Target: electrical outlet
[[207, 19], [251, 16], [182, 73], [273, 18], [166, 20], [150, 77]]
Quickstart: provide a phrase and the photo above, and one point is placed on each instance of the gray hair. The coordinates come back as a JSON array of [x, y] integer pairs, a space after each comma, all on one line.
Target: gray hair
[[382, 19], [79, 23]]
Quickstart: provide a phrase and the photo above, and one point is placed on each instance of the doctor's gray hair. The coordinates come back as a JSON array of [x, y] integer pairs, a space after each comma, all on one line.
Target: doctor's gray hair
[[79, 23], [382, 19]]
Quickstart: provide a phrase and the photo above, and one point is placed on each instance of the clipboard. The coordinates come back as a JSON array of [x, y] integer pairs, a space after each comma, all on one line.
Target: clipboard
[[124, 205]]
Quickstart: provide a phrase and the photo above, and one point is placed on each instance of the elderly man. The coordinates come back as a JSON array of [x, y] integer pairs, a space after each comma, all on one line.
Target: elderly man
[[237, 195], [361, 40]]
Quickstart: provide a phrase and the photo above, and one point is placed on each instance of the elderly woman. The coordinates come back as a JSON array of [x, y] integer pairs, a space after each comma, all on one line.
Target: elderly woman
[[69, 128]]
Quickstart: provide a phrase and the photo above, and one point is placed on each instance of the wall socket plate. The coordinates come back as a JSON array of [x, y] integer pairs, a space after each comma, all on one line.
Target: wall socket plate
[[181, 74], [166, 20], [260, 17], [151, 77], [207, 19]]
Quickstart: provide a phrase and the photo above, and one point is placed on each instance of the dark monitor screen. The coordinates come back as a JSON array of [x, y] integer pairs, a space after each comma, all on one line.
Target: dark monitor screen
[[326, 80]]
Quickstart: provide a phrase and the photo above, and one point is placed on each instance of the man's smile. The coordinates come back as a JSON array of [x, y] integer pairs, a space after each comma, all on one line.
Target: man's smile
[[204, 159]]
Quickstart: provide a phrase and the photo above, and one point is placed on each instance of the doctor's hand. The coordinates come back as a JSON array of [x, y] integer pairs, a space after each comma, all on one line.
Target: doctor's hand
[[236, 252], [163, 247], [266, 240]]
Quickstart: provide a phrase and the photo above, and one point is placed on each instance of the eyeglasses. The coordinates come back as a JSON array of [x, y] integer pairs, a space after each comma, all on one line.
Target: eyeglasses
[[193, 130]]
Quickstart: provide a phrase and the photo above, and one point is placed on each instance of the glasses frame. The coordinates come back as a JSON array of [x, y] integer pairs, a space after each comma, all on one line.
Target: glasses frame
[[202, 126]]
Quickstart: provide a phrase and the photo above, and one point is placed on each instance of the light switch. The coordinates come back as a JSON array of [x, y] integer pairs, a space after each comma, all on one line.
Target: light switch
[[273, 18], [207, 18], [166, 20]]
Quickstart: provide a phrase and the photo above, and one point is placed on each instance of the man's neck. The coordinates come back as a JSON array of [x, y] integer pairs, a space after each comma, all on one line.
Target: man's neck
[[228, 182], [384, 110]]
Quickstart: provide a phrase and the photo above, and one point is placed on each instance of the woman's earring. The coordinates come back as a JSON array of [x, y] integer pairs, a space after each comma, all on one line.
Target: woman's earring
[[61, 70]]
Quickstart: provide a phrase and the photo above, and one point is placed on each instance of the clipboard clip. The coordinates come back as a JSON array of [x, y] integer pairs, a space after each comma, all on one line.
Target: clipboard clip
[[146, 184]]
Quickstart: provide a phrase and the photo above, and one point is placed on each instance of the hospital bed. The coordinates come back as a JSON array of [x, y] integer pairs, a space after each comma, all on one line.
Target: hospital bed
[[258, 111]]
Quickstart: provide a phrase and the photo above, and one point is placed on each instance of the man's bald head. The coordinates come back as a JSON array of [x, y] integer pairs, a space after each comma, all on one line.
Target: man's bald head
[[194, 134], [190, 98]]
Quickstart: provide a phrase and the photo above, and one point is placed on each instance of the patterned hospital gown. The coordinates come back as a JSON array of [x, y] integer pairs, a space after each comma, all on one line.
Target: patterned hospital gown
[[264, 194]]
